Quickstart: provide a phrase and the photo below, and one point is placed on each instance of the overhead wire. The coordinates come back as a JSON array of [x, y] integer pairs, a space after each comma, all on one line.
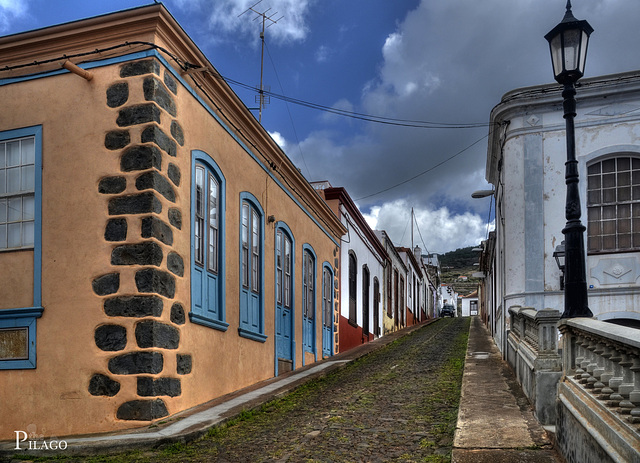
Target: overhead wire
[[424, 171], [293, 126], [185, 66], [363, 116]]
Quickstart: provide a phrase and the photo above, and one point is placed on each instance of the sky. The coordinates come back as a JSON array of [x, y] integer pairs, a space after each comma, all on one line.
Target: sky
[[446, 62]]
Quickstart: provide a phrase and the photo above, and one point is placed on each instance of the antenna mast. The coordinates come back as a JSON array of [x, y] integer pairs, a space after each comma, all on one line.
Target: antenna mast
[[261, 98]]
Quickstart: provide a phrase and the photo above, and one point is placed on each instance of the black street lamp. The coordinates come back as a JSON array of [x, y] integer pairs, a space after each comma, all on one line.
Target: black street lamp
[[568, 43]]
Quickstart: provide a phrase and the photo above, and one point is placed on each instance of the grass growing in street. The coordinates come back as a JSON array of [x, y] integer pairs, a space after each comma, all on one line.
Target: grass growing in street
[[399, 403]]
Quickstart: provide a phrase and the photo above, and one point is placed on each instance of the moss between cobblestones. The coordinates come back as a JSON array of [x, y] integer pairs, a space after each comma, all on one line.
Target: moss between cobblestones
[[399, 403]]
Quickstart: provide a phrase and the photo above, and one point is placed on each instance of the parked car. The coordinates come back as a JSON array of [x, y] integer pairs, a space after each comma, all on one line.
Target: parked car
[[447, 311]]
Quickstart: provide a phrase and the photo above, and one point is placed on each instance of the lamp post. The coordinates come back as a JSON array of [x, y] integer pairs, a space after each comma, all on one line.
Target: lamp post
[[568, 44]]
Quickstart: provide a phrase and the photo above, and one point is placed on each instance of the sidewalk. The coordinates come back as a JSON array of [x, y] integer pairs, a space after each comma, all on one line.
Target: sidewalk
[[194, 423], [495, 421]]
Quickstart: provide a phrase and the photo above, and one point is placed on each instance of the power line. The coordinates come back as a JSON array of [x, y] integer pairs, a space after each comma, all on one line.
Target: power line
[[295, 133], [425, 171], [363, 116]]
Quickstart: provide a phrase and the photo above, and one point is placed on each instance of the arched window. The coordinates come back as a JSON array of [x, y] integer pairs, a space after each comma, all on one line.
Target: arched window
[[207, 262], [308, 299], [251, 268], [376, 306], [353, 288], [366, 286], [613, 207]]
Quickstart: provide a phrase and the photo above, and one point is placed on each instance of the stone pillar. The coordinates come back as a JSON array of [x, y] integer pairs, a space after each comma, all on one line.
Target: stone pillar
[[142, 224], [547, 365]]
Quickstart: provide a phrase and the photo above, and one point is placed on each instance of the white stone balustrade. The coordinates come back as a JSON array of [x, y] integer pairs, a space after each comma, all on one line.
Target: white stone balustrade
[[600, 389], [532, 351]]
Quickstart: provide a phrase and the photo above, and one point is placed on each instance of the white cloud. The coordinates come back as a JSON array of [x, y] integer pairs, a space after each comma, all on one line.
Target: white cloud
[[11, 10], [232, 17], [440, 229], [323, 53], [279, 139]]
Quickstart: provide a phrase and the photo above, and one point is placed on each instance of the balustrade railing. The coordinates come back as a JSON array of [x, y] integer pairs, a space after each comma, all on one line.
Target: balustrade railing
[[604, 359], [532, 351]]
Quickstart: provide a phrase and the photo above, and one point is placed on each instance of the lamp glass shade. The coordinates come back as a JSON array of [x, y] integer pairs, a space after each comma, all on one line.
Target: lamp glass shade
[[568, 43], [559, 256]]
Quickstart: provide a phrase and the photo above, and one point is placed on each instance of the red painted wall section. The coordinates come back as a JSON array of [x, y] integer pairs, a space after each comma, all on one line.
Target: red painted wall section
[[411, 320], [351, 336]]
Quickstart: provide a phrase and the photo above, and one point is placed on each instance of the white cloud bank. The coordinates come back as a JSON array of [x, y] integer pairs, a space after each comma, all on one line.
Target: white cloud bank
[[226, 16], [11, 10], [439, 230]]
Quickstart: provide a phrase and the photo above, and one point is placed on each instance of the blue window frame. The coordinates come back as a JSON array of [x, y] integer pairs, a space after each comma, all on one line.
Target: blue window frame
[[308, 299], [285, 315], [327, 310], [207, 243], [251, 268], [21, 229]]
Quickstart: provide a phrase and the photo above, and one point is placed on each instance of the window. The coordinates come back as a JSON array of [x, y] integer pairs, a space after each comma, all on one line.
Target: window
[[21, 229], [308, 298], [251, 269], [207, 262], [389, 306], [327, 310], [396, 302], [327, 297], [376, 306], [283, 269], [366, 285], [403, 307], [353, 287], [309, 285], [613, 207], [17, 192]]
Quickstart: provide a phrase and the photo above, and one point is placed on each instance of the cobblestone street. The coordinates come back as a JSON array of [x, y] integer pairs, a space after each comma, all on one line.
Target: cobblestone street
[[397, 404]]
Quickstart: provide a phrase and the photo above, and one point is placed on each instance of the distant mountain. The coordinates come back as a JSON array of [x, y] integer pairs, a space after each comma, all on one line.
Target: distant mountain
[[459, 259]]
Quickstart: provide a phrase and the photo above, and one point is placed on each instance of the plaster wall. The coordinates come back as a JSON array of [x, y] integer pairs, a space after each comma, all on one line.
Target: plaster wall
[[54, 396], [246, 361], [357, 243], [530, 192]]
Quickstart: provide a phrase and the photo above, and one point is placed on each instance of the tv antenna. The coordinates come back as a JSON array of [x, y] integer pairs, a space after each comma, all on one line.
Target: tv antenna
[[267, 21]]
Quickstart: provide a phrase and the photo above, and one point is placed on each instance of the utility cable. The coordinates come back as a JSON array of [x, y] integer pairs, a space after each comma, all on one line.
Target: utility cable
[[295, 133], [363, 116], [425, 171]]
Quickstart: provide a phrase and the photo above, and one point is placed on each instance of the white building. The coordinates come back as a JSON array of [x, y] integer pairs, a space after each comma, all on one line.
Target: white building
[[395, 274], [470, 304], [362, 259], [525, 164], [415, 281]]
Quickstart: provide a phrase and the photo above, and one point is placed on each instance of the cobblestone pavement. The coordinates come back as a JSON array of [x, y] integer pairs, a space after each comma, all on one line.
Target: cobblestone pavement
[[399, 403]]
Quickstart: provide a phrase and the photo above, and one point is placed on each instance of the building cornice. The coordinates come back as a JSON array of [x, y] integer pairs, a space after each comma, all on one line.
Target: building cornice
[[548, 98], [343, 197]]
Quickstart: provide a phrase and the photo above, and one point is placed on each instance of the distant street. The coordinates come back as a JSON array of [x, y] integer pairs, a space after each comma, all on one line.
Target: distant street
[[397, 404]]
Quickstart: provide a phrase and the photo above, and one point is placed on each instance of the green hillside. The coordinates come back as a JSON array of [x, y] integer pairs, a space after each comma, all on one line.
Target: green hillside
[[455, 264]]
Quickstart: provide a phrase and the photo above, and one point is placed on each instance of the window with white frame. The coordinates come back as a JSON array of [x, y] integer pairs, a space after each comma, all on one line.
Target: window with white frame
[[17, 193], [613, 205]]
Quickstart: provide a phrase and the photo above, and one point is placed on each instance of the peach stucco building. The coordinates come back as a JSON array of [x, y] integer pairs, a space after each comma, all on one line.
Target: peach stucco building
[[157, 248]]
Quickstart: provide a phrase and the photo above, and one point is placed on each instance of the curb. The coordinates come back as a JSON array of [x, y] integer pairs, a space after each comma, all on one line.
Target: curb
[[203, 416]]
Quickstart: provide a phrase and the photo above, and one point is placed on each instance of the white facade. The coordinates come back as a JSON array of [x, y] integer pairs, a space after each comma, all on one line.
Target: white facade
[[361, 246], [470, 304], [413, 287], [393, 272], [366, 257], [525, 163]]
